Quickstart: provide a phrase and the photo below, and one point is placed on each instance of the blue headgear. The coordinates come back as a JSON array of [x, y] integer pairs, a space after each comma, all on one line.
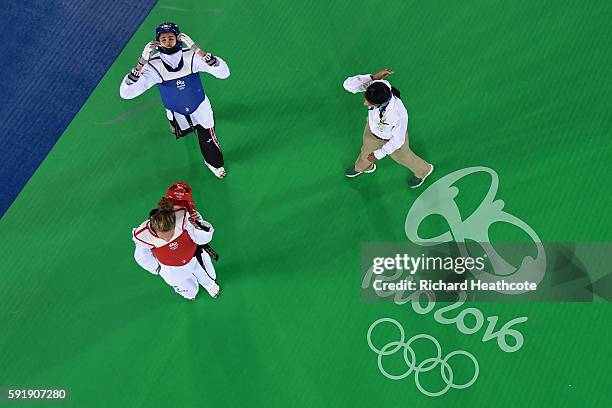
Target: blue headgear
[[168, 28]]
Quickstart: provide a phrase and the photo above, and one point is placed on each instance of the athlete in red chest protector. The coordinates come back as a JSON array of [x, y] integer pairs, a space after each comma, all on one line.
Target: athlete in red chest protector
[[170, 244]]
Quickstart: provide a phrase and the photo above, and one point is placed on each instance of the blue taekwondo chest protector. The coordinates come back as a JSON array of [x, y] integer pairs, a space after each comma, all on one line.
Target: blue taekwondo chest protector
[[181, 89], [182, 95]]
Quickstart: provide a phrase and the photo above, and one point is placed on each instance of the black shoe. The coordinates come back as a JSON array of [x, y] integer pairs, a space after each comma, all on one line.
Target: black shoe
[[351, 172], [414, 181]]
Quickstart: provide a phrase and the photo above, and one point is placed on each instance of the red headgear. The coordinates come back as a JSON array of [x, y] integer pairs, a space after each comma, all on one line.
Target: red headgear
[[180, 193]]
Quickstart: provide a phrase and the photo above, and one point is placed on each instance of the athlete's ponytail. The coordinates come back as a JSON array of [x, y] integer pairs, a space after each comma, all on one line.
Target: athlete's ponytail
[[163, 218], [395, 92]]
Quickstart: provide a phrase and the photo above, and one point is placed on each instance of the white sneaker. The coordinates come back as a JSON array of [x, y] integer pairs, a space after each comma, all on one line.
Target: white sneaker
[[220, 173]]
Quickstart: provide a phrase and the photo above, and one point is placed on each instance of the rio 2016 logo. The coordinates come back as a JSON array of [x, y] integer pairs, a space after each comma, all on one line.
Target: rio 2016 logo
[[439, 198]]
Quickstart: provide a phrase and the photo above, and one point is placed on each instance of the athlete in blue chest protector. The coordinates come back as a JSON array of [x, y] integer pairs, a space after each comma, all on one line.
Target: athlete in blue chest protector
[[175, 70]]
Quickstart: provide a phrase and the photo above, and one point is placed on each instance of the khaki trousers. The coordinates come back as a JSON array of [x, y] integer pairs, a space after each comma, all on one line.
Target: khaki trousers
[[403, 155]]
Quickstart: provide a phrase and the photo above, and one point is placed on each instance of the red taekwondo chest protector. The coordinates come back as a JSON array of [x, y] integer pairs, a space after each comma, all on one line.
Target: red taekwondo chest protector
[[179, 251]]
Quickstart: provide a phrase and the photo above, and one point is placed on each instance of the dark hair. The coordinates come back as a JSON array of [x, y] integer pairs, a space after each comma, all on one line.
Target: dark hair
[[395, 92], [163, 218], [378, 93]]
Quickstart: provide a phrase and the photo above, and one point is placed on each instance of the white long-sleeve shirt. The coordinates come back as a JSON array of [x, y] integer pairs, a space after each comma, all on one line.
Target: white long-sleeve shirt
[[149, 77], [144, 256], [393, 124]]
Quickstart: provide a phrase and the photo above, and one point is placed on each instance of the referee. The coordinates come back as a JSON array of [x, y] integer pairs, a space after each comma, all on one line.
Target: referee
[[386, 131]]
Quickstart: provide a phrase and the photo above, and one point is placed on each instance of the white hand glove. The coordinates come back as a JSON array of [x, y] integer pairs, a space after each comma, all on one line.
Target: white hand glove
[[188, 41], [146, 53]]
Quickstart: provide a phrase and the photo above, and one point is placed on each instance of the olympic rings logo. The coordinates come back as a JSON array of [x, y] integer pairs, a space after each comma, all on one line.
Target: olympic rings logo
[[425, 365]]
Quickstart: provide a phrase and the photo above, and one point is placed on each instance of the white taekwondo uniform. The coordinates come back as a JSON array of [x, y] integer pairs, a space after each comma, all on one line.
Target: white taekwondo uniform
[[179, 267], [174, 73]]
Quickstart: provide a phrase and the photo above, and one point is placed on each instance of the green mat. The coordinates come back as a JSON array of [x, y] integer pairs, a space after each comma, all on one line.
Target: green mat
[[517, 87]]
